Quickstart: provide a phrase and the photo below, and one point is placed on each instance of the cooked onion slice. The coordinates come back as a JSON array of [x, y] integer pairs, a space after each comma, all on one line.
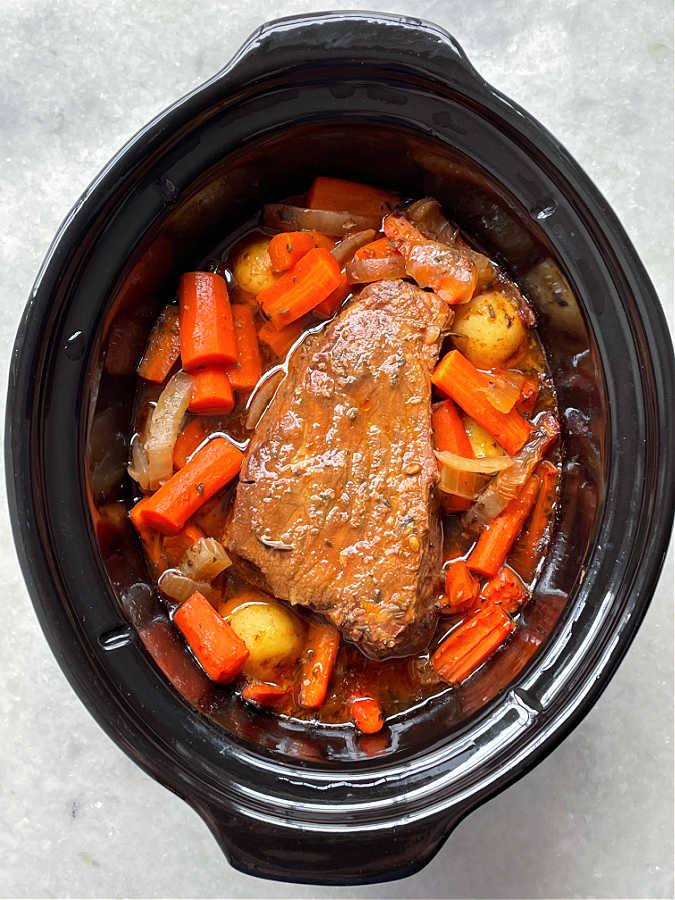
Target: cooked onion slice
[[161, 434], [427, 216], [468, 477], [204, 560], [502, 389], [282, 217], [179, 587], [344, 251], [360, 271], [260, 400]]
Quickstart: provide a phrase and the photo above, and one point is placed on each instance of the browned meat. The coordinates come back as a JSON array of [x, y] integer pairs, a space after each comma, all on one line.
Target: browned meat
[[336, 506]]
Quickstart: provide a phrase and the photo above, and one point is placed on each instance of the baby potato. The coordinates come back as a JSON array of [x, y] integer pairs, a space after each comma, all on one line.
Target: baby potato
[[252, 268], [274, 636], [488, 329], [482, 442]]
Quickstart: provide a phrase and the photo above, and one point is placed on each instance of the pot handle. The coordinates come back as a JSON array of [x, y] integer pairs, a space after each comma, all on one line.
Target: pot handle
[[397, 42], [327, 856]]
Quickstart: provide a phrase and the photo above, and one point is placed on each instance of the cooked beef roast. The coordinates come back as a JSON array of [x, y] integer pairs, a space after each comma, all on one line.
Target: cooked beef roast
[[336, 506]]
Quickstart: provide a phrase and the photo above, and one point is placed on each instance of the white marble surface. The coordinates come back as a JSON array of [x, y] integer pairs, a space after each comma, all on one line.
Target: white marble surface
[[77, 818]]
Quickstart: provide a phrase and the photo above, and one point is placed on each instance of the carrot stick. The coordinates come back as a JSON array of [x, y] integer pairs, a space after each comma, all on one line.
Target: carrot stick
[[206, 327], [367, 714], [329, 306], [188, 440], [287, 248], [358, 199], [459, 378], [221, 653], [163, 347], [532, 543], [461, 588], [246, 372], [498, 536], [211, 392], [175, 545], [310, 281], [470, 644], [450, 434], [265, 694], [528, 396], [210, 469], [505, 590], [281, 340], [323, 642], [151, 540], [379, 249]]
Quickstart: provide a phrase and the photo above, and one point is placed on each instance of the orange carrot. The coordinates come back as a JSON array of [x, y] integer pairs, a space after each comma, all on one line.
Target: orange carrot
[[188, 440], [358, 199], [210, 469], [150, 539], [310, 281], [506, 590], [287, 248], [246, 372], [470, 644], [498, 536], [206, 327], [379, 249], [219, 650], [281, 340], [528, 396], [329, 306], [366, 713], [163, 347], [323, 642], [531, 545], [461, 588], [459, 378], [211, 393], [450, 434], [265, 694], [175, 545]]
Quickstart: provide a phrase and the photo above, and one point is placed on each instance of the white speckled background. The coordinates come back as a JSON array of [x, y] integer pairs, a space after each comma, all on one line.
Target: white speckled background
[[77, 818]]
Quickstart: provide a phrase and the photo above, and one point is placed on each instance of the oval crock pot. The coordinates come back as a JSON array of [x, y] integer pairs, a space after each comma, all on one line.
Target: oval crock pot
[[391, 100]]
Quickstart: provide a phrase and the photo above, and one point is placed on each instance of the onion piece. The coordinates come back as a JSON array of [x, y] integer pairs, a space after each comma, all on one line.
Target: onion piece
[[465, 476], [427, 216], [204, 560], [260, 400], [360, 271], [508, 484], [283, 217], [179, 587], [347, 248], [502, 389], [161, 432]]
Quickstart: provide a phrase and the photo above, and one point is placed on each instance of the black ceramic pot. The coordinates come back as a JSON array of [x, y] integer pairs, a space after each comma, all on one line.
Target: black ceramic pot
[[393, 101]]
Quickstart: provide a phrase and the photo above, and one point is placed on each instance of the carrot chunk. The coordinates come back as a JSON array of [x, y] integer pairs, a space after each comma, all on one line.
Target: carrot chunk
[[498, 536], [311, 280], [471, 643], [506, 590], [211, 392], [188, 440], [329, 306], [379, 249], [528, 396], [462, 381], [532, 544], [206, 326], [151, 540], [323, 642], [461, 588], [350, 196], [281, 340], [246, 372], [367, 714], [210, 469], [265, 694], [287, 248], [450, 434], [221, 653], [175, 545], [163, 347]]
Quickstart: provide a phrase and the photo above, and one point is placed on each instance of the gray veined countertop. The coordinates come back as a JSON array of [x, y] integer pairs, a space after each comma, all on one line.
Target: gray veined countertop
[[78, 78]]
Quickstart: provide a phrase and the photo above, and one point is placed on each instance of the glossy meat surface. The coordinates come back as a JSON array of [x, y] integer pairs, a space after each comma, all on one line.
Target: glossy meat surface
[[336, 508]]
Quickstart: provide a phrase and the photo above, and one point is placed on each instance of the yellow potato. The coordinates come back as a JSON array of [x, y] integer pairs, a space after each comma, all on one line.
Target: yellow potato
[[274, 636], [490, 328], [252, 268], [482, 442]]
